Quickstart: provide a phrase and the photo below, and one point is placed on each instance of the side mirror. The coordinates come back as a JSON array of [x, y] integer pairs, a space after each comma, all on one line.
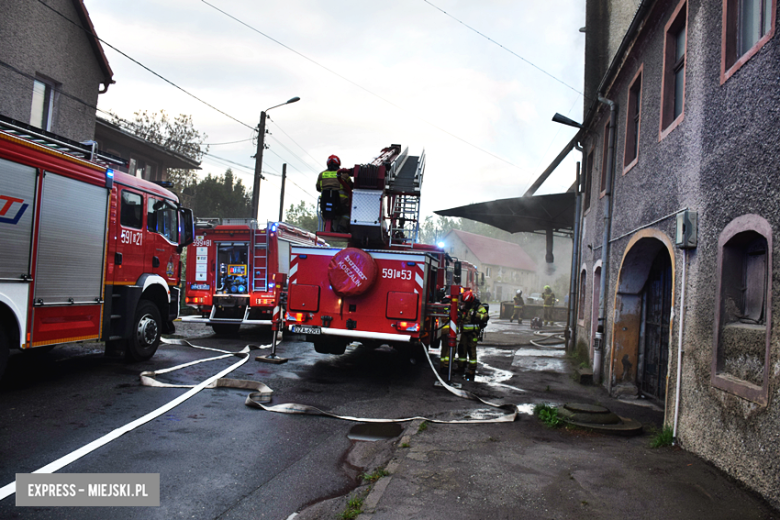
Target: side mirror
[[187, 227]]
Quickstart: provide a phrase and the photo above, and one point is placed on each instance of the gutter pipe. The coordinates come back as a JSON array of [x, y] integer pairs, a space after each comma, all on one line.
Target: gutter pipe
[[600, 331], [575, 262], [680, 349]]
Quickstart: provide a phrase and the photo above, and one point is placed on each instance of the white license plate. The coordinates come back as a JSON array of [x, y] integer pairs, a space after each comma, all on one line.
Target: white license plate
[[306, 329]]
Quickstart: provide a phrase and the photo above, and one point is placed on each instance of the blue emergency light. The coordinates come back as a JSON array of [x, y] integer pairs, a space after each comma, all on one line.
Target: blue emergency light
[[109, 178]]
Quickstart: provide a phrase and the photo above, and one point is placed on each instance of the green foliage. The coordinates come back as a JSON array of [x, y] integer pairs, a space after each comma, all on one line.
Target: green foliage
[[303, 216], [579, 358], [176, 134], [375, 475], [663, 438], [405, 445], [423, 426], [354, 508], [222, 196], [548, 415]]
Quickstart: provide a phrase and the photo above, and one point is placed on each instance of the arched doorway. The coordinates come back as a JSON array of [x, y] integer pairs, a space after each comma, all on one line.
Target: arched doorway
[[641, 331]]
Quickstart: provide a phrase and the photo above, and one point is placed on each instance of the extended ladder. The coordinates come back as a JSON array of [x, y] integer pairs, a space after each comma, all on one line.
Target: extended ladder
[[403, 187], [260, 260]]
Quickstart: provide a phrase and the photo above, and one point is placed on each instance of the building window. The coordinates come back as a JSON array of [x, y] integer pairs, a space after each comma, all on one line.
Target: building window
[[487, 272], [673, 89], [633, 117], [581, 306], [604, 160], [747, 26], [42, 105], [744, 311], [588, 180]]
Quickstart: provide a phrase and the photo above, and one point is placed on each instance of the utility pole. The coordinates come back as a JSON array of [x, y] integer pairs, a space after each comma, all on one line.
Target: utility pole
[[259, 157], [258, 166], [281, 199]]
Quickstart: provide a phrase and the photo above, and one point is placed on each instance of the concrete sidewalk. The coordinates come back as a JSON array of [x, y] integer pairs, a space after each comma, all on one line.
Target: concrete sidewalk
[[526, 470]]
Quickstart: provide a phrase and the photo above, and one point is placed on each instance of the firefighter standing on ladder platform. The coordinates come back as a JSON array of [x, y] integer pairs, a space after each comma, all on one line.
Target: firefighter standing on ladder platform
[[336, 187], [473, 317]]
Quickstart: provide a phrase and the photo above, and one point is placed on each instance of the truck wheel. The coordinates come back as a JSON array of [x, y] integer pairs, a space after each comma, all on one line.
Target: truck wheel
[[5, 348], [145, 336], [226, 329]]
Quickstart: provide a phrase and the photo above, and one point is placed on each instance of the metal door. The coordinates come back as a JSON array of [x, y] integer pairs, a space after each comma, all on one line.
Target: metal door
[[658, 301]]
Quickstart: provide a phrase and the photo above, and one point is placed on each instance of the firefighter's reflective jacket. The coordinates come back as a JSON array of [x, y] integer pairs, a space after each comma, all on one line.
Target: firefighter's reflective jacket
[[475, 319]]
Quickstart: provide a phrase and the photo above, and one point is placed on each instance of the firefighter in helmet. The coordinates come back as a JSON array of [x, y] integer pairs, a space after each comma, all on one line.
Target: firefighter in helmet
[[336, 188], [519, 303], [472, 318], [549, 301]]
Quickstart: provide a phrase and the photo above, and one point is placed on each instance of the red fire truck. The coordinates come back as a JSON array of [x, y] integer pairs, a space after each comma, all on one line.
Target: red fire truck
[[383, 288], [230, 270], [86, 253]]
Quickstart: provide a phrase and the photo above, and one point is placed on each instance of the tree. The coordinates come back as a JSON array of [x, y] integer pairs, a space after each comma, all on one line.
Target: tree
[[303, 216], [222, 196], [177, 134]]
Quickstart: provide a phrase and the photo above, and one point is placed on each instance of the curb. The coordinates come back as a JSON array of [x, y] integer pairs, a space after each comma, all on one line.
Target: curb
[[377, 492]]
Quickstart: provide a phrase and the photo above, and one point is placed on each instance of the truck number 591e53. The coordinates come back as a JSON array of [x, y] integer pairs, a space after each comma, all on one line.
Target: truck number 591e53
[[401, 274]]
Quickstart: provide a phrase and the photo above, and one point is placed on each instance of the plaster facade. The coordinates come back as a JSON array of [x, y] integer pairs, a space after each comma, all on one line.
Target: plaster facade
[[38, 43], [721, 159]]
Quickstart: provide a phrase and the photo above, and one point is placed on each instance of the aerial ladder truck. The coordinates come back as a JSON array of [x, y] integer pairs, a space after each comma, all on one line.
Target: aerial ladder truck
[[380, 287]]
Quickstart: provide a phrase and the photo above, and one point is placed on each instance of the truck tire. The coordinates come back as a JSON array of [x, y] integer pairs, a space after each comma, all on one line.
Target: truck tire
[[229, 330], [5, 351], [146, 333]]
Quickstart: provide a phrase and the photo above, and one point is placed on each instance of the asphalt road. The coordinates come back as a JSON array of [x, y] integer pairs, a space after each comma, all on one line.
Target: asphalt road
[[216, 457]]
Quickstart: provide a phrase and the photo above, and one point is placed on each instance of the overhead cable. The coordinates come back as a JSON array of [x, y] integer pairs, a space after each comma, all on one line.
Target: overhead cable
[[413, 114], [101, 40], [510, 51]]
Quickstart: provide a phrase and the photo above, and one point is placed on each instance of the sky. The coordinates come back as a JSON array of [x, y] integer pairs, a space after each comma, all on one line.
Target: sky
[[368, 74]]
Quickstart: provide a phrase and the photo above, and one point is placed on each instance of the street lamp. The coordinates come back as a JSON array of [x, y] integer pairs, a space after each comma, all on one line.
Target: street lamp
[[558, 118], [259, 156]]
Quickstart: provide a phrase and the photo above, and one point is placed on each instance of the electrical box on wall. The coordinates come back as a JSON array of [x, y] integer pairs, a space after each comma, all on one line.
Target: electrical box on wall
[[687, 229]]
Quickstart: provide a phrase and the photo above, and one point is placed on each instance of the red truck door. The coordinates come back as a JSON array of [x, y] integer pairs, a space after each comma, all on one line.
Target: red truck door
[[129, 236], [162, 224]]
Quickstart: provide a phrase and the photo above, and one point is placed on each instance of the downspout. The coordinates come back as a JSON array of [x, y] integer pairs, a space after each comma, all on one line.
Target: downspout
[[680, 349], [601, 328], [575, 262]]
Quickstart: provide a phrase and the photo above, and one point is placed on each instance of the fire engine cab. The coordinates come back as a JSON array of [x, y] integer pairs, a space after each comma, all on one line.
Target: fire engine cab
[[231, 267], [86, 253], [383, 287]]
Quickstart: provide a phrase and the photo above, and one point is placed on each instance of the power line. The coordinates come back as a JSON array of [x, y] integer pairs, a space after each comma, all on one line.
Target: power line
[[360, 86], [291, 152], [230, 142], [510, 51], [293, 140], [144, 66]]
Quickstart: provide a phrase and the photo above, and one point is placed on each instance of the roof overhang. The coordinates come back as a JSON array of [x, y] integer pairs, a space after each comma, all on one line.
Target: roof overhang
[[537, 213], [94, 41], [154, 151]]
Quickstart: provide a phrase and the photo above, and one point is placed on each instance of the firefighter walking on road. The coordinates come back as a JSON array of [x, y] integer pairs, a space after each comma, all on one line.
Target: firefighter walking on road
[[336, 187], [549, 302], [519, 304], [472, 317]]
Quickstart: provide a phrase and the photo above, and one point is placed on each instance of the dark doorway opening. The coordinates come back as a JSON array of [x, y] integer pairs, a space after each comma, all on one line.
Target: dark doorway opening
[[656, 318]]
